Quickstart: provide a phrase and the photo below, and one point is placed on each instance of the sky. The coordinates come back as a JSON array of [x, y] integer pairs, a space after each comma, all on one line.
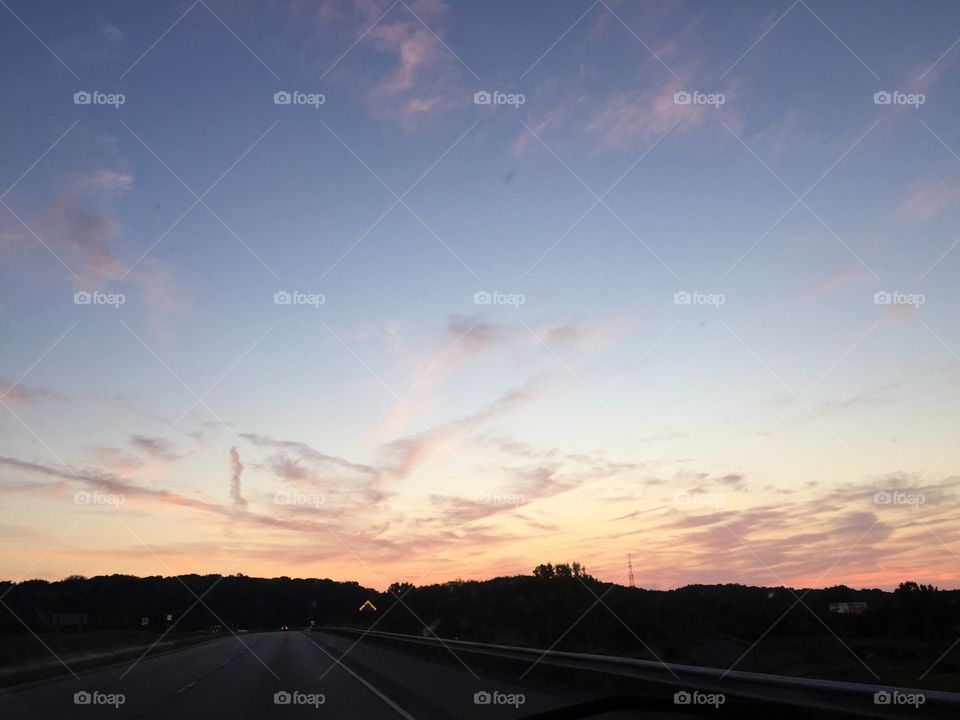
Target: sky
[[424, 290]]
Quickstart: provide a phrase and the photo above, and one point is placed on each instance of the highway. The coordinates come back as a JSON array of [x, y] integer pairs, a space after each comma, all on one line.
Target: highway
[[239, 677], [294, 674]]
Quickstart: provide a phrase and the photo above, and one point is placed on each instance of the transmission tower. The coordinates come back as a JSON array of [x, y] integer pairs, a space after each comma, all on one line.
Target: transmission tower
[[630, 568]]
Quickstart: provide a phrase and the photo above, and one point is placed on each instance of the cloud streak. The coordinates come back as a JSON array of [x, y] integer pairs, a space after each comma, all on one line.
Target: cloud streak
[[236, 470]]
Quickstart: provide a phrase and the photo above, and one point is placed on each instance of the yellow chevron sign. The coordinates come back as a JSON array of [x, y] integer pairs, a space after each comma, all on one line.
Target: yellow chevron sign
[[368, 604]]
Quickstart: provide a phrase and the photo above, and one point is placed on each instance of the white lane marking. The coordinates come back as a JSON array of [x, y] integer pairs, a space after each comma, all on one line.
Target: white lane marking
[[399, 710], [187, 687]]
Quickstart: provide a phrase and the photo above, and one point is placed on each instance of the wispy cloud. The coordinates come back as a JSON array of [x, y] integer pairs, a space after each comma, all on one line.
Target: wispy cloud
[[305, 451], [81, 222], [410, 75], [928, 199], [27, 394], [402, 456], [112, 32], [236, 471], [156, 447], [80, 216]]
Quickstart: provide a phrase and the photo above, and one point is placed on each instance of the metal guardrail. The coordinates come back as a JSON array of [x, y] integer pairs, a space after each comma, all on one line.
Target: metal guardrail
[[829, 695]]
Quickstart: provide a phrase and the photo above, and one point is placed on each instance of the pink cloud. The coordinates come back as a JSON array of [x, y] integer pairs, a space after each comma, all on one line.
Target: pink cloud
[[27, 394], [465, 338], [414, 48], [426, 80], [630, 118], [580, 106], [403, 455], [420, 79], [80, 217], [105, 182], [928, 199], [469, 338], [81, 224]]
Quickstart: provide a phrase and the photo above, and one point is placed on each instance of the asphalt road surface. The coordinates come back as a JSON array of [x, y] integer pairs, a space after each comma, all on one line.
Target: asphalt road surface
[[227, 678]]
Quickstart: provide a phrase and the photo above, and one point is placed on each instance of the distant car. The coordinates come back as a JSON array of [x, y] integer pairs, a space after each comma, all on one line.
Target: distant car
[[283, 627]]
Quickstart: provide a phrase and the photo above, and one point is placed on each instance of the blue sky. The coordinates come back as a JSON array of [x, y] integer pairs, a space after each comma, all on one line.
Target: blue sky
[[743, 436]]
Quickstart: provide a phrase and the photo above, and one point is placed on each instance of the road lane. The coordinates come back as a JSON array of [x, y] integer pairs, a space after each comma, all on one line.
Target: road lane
[[239, 677], [226, 678], [324, 675], [429, 689]]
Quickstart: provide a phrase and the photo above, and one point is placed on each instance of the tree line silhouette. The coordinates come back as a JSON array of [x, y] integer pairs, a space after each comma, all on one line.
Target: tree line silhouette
[[555, 601]]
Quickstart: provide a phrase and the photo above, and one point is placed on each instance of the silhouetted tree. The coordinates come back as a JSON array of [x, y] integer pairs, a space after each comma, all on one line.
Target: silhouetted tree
[[543, 571]]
